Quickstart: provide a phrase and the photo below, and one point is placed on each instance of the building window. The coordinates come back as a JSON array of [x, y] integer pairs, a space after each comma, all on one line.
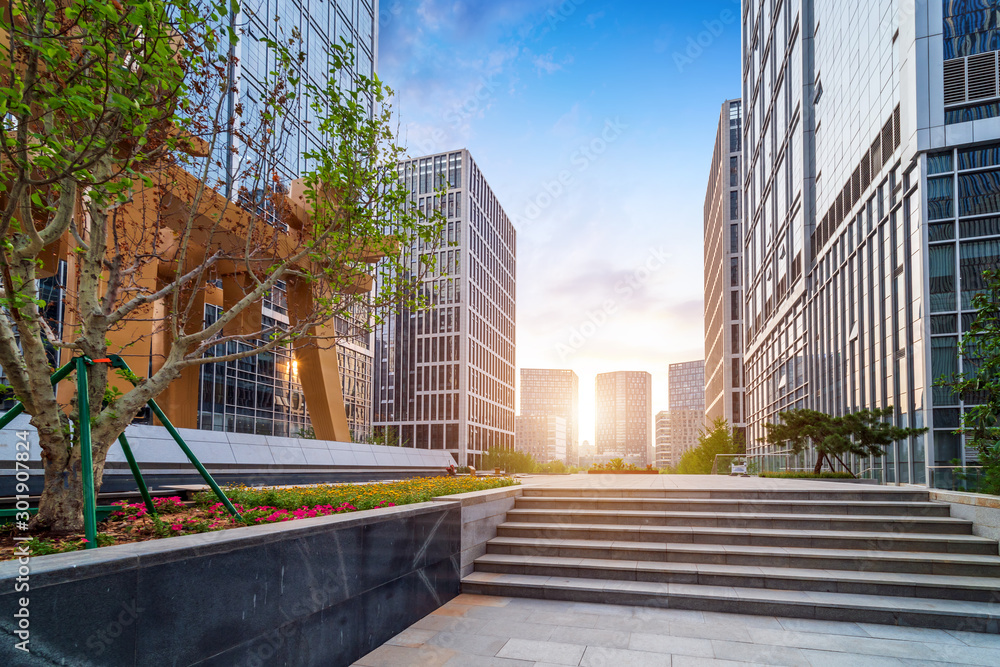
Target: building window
[[734, 205], [734, 171], [940, 198]]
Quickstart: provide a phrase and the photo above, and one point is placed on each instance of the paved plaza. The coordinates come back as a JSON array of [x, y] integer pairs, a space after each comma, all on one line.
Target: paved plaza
[[486, 631]]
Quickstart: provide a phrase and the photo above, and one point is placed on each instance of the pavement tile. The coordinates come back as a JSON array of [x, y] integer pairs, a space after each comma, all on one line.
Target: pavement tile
[[600, 656], [412, 637], [976, 638], [768, 655], [452, 609], [926, 635], [485, 661], [394, 656], [554, 652], [669, 645], [468, 644], [836, 659], [693, 661], [822, 627], [727, 630], [514, 629], [564, 618], [481, 600], [590, 636]]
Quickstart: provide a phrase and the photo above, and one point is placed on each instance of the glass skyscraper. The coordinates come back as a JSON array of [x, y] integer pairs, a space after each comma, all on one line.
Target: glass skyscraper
[[263, 394], [624, 416], [871, 198], [444, 376]]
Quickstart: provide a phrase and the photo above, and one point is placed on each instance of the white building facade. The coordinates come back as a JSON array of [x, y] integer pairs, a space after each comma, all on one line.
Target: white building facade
[[872, 190]]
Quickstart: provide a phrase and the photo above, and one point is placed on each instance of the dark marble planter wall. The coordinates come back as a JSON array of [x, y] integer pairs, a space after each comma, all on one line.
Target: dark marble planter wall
[[320, 591]]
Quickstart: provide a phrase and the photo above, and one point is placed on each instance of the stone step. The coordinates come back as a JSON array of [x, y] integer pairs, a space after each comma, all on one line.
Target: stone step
[[816, 539], [849, 507], [903, 611], [837, 492], [942, 564], [977, 589], [861, 522]]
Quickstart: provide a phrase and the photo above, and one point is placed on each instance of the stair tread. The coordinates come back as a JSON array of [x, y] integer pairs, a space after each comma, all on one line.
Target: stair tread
[[864, 576], [680, 514], [749, 595], [730, 501], [984, 559], [725, 530]]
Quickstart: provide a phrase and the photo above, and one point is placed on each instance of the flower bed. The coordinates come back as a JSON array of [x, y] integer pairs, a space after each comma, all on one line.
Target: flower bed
[[132, 523]]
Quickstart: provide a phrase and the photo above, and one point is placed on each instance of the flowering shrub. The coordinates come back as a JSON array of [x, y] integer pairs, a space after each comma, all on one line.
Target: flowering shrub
[[358, 496], [131, 522]]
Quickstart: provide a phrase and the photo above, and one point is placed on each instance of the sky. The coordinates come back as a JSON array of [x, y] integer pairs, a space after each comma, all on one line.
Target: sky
[[594, 123]]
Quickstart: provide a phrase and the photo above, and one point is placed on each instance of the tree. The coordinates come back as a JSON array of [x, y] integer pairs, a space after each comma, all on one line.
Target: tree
[[716, 439], [979, 383], [128, 153], [509, 460], [864, 433]]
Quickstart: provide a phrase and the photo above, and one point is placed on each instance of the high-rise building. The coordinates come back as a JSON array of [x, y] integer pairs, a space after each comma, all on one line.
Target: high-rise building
[[686, 385], [664, 458], [546, 391], [624, 416], [542, 436], [444, 376], [872, 196], [264, 394], [723, 277]]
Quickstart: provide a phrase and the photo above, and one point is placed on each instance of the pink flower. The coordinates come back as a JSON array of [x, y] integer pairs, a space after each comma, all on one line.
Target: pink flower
[[85, 541]]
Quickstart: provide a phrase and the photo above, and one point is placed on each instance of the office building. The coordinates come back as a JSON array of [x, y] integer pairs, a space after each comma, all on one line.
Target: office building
[[546, 391], [624, 416], [723, 277], [686, 386], [542, 436], [444, 376], [664, 458], [872, 196]]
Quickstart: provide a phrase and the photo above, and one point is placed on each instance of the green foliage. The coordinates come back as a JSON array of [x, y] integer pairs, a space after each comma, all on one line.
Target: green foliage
[[386, 437], [509, 460], [556, 467], [617, 464], [359, 496], [42, 547], [979, 384], [864, 433], [306, 433], [718, 439]]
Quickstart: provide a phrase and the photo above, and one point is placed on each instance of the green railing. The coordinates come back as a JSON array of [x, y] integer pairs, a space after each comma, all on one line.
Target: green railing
[[80, 365]]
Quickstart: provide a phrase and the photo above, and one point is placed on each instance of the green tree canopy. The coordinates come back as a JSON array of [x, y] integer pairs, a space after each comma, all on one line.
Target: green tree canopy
[[717, 439]]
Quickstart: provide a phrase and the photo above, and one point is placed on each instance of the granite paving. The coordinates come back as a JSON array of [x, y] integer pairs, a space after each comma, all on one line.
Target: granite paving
[[474, 630]]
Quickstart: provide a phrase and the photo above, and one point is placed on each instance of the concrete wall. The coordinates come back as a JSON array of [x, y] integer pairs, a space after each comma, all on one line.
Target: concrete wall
[[482, 512], [229, 456], [982, 511], [319, 592]]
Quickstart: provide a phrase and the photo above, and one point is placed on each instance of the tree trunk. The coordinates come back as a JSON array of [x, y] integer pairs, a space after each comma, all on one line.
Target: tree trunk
[[819, 463], [60, 508]]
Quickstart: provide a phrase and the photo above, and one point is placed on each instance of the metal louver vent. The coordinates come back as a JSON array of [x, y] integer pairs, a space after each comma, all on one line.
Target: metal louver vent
[[876, 156], [866, 173], [954, 81], [887, 141], [982, 75], [897, 131], [856, 186]]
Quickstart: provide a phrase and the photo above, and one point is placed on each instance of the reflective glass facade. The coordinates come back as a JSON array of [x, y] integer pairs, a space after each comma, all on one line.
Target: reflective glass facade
[[624, 416], [971, 27], [262, 394], [444, 376], [546, 391]]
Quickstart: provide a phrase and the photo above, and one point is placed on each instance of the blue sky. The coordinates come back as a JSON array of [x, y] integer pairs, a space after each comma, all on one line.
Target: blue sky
[[594, 122]]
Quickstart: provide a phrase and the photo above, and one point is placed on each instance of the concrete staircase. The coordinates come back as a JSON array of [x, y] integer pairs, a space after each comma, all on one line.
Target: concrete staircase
[[856, 553]]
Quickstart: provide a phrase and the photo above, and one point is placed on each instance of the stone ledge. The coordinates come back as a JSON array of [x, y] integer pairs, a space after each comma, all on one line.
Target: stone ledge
[[961, 498]]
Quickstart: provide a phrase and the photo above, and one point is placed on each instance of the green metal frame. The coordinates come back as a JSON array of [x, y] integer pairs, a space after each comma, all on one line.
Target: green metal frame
[[80, 364]]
